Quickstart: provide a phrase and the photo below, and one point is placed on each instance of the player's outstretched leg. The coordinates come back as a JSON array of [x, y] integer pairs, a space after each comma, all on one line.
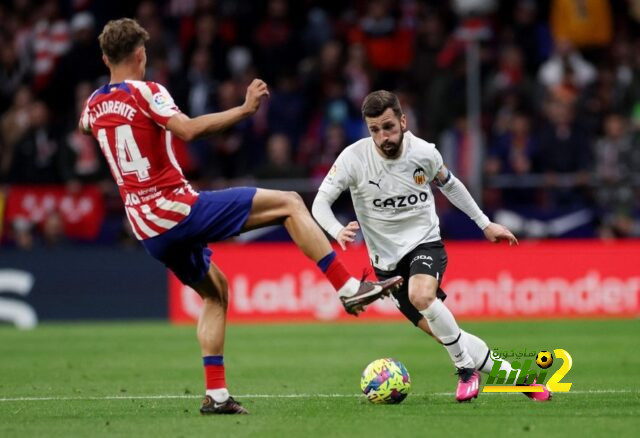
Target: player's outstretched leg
[[211, 331], [481, 356], [483, 361], [273, 207], [422, 295]]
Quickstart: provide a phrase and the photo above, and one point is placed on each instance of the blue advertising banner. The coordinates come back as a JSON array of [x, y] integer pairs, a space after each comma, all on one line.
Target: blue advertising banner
[[80, 283]]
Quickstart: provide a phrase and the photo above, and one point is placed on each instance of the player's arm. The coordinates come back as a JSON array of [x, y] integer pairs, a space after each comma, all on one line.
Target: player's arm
[[83, 124], [459, 196], [341, 176], [323, 214], [202, 126]]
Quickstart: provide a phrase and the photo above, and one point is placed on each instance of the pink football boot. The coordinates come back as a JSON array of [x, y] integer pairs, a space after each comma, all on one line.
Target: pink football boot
[[543, 396], [468, 384]]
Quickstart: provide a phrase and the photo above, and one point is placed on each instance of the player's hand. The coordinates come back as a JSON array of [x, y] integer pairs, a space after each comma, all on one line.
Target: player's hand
[[497, 233], [347, 234], [256, 90]]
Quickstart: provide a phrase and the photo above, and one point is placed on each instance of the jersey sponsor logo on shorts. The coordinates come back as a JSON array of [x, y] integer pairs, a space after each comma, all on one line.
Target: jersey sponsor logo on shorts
[[401, 200], [421, 257], [419, 176]]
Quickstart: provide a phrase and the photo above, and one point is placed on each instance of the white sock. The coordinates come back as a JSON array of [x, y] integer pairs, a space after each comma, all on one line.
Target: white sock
[[350, 288], [481, 355], [478, 351], [218, 395], [444, 327]]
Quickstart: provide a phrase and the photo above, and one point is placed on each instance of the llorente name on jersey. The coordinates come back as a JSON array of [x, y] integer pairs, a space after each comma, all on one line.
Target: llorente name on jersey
[[401, 201], [113, 107]]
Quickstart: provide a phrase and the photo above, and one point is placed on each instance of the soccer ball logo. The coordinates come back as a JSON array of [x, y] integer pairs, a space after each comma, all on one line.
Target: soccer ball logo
[[385, 381], [544, 359]]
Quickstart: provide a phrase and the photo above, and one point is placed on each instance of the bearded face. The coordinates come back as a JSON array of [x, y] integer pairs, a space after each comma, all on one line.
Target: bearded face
[[387, 132], [390, 148]]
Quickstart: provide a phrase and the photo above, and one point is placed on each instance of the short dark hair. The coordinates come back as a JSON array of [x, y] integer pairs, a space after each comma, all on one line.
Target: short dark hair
[[377, 102], [120, 38]]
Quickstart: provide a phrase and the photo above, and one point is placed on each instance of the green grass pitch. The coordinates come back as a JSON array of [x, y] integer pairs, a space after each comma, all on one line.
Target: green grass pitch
[[146, 379]]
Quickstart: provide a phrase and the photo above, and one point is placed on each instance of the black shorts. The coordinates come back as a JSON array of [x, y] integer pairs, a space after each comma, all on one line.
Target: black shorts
[[427, 258]]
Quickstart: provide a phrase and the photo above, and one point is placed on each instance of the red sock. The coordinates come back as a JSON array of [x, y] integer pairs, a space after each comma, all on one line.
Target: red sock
[[337, 274], [214, 372]]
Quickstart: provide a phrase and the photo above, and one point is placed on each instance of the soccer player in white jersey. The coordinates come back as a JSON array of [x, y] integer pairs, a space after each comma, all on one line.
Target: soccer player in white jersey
[[133, 120], [388, 175]]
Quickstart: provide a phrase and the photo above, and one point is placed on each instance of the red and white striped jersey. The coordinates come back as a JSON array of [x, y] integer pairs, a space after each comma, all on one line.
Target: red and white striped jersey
[[129, 121]]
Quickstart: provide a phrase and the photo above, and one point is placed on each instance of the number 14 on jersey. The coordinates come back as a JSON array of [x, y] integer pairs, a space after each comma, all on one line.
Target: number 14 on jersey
[[130, 160]]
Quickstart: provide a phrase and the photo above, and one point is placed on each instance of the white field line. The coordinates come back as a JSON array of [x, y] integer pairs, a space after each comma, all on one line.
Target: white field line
[[250, 396]]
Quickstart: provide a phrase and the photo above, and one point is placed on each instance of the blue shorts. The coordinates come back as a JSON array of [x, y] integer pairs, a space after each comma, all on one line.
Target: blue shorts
[[216, 215]]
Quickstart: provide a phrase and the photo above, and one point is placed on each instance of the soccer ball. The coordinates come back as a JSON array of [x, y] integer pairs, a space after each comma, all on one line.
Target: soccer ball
[[544, 359], [385, 381]]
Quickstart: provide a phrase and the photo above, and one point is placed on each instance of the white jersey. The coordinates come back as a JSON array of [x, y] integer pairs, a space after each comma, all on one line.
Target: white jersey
[[391, 197]]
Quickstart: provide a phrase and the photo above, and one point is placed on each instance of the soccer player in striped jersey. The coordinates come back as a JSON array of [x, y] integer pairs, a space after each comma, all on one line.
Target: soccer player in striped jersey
[[134, 121], [388, 175]]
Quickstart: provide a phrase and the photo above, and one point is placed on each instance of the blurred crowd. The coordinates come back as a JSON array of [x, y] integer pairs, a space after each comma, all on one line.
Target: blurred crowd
[[560, 93]]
